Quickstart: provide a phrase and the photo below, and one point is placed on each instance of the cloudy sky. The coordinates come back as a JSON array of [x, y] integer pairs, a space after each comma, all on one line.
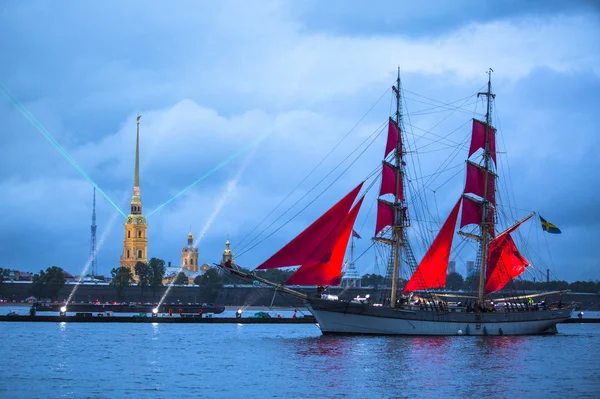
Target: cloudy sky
[[272, 87]]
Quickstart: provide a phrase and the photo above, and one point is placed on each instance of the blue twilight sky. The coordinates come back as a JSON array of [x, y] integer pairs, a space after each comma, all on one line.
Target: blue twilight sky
[[211, 77]]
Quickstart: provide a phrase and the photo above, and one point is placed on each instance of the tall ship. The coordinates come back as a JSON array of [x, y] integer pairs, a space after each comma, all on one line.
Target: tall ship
[[418, 305]]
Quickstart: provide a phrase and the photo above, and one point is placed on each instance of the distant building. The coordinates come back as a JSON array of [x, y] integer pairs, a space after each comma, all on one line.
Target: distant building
[[16, 275], [451, 267], [189, 255], [351, 277], [69, 276], [189, 263], [470, 268]]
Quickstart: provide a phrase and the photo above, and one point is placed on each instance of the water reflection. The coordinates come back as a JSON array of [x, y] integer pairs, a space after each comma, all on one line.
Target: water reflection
[[329, 346], [289, 361]]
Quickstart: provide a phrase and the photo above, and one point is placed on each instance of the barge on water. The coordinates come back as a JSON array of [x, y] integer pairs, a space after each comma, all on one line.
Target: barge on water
[[203, 308], [197, 319]]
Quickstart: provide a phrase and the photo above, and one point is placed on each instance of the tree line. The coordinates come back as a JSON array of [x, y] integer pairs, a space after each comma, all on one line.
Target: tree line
[[150, 276]]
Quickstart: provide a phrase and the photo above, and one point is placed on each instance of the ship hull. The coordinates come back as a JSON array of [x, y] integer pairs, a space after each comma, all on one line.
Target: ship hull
[[338, 317]]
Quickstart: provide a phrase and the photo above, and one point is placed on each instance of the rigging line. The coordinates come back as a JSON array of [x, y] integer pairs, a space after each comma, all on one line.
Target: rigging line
[[438, 173], [368, 188], [441, 102], [438, 106], [416, 193], [433, 134], [41, 129], [511, 191], [449, 159], [316, 167], [453, 109], [444, 118], [439, 149], [322, 192], [549, 253], [365, 251], [368, 214], [418, 212], [453, 176], [463, 144], [376, 133], [370, 208], [429, 111], [420, 203]]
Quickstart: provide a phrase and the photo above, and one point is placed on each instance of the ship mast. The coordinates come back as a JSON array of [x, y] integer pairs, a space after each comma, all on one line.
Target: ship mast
[[486, 225], [397, 228]]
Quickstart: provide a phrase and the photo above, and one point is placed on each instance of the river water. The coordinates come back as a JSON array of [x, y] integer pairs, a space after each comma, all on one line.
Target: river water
[[85, 360]]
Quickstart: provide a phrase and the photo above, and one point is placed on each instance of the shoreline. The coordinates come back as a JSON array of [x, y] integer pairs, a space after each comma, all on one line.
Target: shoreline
[[233, 308]]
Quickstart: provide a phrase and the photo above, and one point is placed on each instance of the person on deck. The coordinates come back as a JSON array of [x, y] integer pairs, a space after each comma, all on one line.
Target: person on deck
[[320, 291]]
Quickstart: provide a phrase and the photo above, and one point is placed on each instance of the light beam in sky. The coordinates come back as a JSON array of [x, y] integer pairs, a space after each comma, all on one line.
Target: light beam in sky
[[233, 156], [40, 128]]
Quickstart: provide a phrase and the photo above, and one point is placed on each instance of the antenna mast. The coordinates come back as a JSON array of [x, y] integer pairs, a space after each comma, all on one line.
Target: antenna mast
[[93, 244]]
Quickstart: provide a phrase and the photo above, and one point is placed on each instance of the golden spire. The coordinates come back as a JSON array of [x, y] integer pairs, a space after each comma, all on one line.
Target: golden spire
[[136, 200], [136, 178]]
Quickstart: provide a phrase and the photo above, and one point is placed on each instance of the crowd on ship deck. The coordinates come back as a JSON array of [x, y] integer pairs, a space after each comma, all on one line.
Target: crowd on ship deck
[[471, 306]]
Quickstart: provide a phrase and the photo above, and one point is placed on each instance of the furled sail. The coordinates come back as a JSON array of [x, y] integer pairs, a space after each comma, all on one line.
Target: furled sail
[[505, 262], [431, 272], [327, 272], [478, 138], [300, 250]]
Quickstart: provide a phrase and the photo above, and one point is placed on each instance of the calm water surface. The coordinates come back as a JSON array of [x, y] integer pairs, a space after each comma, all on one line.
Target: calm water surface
[[81, 360]]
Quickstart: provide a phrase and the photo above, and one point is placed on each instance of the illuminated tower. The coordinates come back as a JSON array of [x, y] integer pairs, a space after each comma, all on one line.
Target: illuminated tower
[[93, 244], [227, 253], [135, 244], [189, 254]]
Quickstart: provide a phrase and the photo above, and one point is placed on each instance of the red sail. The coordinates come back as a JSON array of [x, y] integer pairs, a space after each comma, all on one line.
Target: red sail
[[505, 262], [472, 213], [476, 182], [478, 139], [385, 215], [431, 273], [389, 180], [392, 139], [329, 271], [300, 249]]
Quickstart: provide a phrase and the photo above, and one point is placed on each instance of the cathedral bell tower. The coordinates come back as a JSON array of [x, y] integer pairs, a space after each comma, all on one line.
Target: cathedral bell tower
[[189, 254], [135, 244], [227, 255]]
